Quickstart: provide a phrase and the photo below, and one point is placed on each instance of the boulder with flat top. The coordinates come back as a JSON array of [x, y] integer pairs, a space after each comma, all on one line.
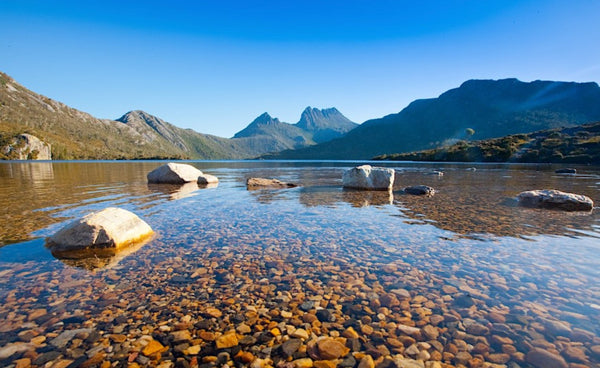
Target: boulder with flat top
[[108, 230], [173, 173], [366, 177], [555, 199], [256, 183]]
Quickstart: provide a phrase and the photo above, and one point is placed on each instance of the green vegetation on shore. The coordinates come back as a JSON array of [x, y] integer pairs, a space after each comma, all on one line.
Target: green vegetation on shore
[[580, 144]]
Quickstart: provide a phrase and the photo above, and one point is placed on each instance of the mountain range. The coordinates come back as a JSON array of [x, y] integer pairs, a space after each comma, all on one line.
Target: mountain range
[[482, 108], [478, 109], [315, 126], [74, 134]]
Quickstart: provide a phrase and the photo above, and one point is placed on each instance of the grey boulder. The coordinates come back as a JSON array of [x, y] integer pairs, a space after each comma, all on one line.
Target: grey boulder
[[173, 173], [255, 183], [420, 190], [555, 199], [108, 230], [366, 177]]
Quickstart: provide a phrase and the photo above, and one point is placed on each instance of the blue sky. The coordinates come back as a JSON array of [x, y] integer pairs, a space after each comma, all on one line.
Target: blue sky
[[214, 66]]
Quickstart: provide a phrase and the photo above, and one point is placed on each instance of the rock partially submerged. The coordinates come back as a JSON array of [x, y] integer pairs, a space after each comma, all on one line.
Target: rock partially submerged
[[173, 173], [207, 179], [368, 178], [555, 199], [420, 190], [255, 183], [106, 231]]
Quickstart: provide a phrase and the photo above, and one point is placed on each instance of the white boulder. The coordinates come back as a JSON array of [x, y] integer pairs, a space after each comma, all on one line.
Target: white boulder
[[555, 199], [108, 230], [368, 178], [173, 173]]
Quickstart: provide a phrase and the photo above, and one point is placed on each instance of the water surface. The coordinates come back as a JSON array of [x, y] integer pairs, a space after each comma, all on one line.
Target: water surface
[[467, 255]]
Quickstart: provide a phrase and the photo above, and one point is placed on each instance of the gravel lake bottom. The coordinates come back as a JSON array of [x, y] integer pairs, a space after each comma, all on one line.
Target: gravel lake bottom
[[312, 276]]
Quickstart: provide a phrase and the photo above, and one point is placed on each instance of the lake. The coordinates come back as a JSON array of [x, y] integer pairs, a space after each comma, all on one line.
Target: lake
[[313, 275]]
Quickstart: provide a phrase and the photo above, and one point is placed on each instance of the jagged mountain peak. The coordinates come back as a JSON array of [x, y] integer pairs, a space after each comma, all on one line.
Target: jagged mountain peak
[[258, 126], [325, 111], [315, 126], [265, 118], [325, 124]]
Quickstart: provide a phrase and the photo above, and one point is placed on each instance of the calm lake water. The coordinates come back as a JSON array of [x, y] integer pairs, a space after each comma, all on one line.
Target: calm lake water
[[473, 276]]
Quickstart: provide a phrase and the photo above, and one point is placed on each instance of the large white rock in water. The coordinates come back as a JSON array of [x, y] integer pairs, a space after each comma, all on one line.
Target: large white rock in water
[[550, 198], [173, 173], [110, 230], [369, 178]]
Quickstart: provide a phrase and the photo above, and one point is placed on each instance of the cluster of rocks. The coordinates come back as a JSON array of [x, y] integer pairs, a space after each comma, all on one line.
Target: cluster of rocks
[[106, 232], [276, 306], [113, 228], [366, 177], [275, 310]]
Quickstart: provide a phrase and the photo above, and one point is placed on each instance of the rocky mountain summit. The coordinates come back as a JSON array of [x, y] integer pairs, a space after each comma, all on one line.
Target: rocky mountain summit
[[315, 126], [326, 124], [150, 128]]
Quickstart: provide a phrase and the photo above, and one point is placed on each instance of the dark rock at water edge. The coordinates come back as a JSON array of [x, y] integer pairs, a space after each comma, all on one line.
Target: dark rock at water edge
[[566, 171], [420, 190]]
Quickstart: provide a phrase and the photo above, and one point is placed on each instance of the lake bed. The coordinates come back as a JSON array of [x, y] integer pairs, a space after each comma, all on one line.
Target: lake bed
[[465, 277]]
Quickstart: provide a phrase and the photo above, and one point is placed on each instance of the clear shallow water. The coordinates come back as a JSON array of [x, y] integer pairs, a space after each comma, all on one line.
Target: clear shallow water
[[468, 254]]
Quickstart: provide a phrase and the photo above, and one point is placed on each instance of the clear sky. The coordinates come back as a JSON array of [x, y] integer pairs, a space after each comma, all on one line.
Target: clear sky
[[214, 66]]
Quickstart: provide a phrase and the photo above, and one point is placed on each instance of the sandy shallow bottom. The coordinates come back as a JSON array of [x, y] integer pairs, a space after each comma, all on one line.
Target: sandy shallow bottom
[[316, 276]]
